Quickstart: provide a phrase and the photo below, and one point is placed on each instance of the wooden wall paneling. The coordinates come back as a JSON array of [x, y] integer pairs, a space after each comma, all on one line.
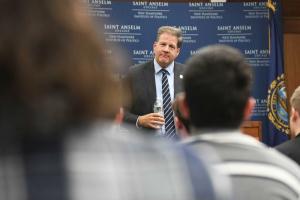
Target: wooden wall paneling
[[292, 61], [291, 28], [252, 128], [291, 8], [291, 24]]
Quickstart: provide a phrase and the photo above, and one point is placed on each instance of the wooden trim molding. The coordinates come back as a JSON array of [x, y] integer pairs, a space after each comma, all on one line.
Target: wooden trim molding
[[252, 128], [291, 25]]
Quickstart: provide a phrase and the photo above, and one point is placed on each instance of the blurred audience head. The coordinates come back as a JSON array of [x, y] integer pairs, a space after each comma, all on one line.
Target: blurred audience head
[[295, 112], [53, 70], [217, 84], [181, 122], [295, 99]]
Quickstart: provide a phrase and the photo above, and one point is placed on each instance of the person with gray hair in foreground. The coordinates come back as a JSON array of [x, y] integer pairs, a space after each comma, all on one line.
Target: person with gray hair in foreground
[[217, 85]]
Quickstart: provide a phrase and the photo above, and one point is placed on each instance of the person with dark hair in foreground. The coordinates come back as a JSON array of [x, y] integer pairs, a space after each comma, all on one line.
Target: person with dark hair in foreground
[[291, 148], [217, 84], [58, 97]]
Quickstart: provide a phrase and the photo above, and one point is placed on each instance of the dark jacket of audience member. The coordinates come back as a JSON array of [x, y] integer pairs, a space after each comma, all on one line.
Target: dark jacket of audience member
[[217, 85], [291, 148]]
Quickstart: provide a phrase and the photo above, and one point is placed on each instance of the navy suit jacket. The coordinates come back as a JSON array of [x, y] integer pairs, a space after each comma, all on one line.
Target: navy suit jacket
[[141, 80], [291, 148]]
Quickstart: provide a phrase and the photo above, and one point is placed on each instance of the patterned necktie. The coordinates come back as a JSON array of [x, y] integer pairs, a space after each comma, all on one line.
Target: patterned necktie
[[170, 130]]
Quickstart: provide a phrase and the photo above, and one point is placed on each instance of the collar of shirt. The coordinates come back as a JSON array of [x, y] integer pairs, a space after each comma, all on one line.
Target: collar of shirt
[[169, 68], [222, 136], [158, 77]]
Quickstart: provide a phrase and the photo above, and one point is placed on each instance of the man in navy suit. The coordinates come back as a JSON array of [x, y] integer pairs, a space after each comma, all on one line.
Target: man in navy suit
[[291, 148], [145, 80]]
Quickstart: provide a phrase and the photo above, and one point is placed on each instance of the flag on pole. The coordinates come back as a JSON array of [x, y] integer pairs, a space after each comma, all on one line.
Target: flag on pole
[[278, 124]]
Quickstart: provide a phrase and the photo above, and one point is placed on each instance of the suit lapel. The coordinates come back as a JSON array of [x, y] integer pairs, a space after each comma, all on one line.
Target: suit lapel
[[177, 79], [150, 81]]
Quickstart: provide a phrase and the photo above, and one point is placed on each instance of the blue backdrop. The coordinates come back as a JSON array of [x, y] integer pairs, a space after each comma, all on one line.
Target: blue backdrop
[[132, 26]]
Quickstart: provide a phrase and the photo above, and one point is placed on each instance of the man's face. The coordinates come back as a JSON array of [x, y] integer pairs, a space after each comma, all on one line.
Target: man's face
[[165, 49]]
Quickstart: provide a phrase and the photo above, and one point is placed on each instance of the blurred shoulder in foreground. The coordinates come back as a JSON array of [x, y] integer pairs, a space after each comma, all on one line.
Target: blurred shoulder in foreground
[[217, 84], [58, 95]]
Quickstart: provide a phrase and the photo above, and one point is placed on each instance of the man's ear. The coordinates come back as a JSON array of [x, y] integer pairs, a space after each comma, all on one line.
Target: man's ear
[[119, 116], [178, 51], [184, 108], [294, 115], [294, 122], [249, 108], [154, 45]]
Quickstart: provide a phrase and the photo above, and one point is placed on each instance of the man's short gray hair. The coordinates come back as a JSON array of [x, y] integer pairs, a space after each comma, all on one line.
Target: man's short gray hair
[[171, 30], [295, 99]]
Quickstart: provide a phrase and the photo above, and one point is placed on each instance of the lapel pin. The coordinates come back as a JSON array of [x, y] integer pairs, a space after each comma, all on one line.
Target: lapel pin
[[181, 76]]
